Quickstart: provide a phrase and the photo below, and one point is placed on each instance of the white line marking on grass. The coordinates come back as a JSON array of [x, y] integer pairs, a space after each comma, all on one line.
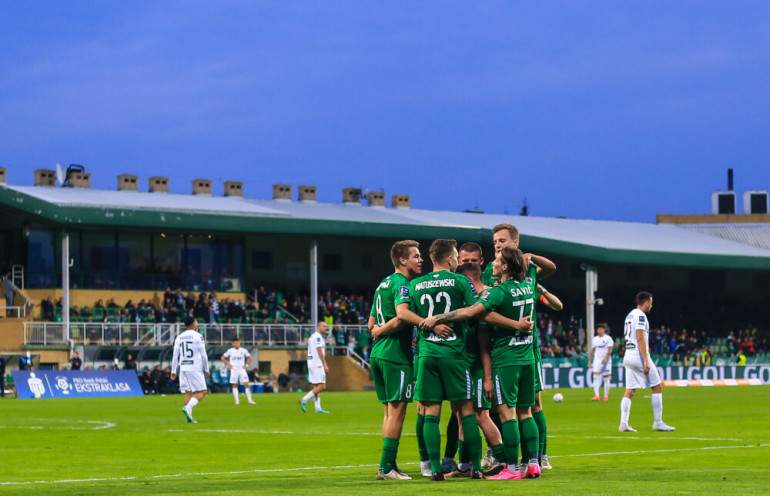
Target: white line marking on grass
[[99, 425], [653, 436], [337, 467], [256, 431]]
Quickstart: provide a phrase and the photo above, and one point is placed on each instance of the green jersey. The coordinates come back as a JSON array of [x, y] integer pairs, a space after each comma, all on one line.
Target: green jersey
[[487, 278], [395, 347], [514, 300], [437, 293]]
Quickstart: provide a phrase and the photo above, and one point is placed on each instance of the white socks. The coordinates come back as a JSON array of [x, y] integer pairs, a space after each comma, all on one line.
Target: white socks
[[657, 407], [191, 404], [317, 401], [248, 393], [235, 395], [308, 396], [625, 410], [597, 383], [606, 387]]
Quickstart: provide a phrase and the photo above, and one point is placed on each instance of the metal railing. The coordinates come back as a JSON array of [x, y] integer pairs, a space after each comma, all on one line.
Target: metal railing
[[87, 333], [18, 310]]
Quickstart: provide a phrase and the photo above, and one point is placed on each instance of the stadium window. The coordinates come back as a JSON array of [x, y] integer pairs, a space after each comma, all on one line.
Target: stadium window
[[761, 281], [265, 367], [298, 367], [261, 260], [167, 260], [100, 259], [40, 259], [332, 262], [134, 261]]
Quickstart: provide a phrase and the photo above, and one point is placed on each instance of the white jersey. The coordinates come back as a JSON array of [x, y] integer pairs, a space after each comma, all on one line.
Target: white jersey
[[313, 358], [634, 321], [601, 346], [190, 353], [237, 357]]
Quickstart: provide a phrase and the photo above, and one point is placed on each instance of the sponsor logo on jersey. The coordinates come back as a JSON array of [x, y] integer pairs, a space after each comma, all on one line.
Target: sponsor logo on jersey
[[473, 289], [404, 290], [641, 318]]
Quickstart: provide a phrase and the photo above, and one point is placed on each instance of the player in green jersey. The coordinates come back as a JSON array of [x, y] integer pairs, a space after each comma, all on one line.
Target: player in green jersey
[[512, 356], [391, 357], [443, 372]]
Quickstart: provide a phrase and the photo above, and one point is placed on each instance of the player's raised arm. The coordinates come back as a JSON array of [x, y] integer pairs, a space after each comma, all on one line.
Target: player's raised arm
[[545, 267], [551, 300]]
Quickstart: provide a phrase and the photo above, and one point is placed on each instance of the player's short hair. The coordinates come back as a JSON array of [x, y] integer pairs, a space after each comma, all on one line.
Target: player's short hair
[[188, 320], [514, 259], [400, 249], [643, 297], [441, 248], [506, 227], [236, 338], [471, 247], [471, 270]]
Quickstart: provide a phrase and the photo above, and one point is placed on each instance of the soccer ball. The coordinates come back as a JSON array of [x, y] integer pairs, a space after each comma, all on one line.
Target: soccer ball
[[558, 397]]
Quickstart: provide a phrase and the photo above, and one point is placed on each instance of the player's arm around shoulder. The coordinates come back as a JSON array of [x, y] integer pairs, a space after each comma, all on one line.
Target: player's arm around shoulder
[[545, 267]]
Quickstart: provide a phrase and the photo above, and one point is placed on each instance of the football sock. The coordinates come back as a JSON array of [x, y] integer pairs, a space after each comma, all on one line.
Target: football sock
[[606, 387], [432, 435], [389, 452], [531, 438], [625, 410], [472, 440], [248, 392], [462, 452], [421, 437], [308, 396], [542, 429], [499, 452], [235, 394], [657, 407], [523, 445], [597, 383], [191, 404], [317, 401], [511, 438], [452, 436]]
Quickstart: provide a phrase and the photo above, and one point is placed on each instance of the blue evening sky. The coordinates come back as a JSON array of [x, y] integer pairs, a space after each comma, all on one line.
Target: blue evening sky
[[606, 110]]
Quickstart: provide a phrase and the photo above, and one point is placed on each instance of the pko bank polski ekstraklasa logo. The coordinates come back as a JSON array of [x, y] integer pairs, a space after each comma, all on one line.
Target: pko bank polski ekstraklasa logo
[[62, 385]]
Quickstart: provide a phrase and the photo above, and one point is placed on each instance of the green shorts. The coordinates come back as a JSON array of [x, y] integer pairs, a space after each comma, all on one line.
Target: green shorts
[[477, 375], [443, 379], [514, 385], [538, 377], [392, 381]]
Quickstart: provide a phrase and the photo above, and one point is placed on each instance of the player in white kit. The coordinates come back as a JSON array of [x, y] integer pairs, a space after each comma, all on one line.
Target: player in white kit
[[237, 360], [640, 371], [316, 368], [190, 356], [601, 356]]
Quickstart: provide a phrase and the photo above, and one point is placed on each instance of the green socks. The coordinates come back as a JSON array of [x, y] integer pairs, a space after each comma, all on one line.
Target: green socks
[[542, 429], [389, 453], [452, 436], [499, 452], [510, 434], [432, 435], [420, 438], [472, 440], [530, 437]]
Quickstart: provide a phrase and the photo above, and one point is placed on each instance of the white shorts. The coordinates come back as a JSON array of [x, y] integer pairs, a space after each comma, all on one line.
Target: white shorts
[[238, 376], [316, 375], [635, 378], [602, 368], [192, 382]]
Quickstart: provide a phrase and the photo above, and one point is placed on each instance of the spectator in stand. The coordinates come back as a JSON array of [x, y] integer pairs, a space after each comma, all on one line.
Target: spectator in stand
[[112, 304], [25, 361], [9, 289], [156, 379], [130, 362], [48, 309], [75, 361], [189, 301], [2, 376], [146, 381]]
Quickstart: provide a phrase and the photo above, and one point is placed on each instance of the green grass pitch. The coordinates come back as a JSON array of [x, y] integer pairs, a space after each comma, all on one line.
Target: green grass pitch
[[144, 446]]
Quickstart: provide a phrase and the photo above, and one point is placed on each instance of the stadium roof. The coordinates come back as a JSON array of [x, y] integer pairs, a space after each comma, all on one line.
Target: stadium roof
[[592, 240], [750, 234]]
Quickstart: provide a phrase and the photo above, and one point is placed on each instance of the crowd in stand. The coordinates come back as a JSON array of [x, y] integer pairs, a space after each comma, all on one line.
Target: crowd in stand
[[560, 336]]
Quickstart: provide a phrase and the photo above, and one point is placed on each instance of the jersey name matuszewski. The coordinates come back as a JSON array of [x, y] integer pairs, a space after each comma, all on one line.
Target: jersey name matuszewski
[[440, 283]]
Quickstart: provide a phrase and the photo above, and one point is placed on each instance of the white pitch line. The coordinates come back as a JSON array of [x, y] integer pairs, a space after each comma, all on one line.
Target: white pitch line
[[337, 467], [315, 433], [100, 425]]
